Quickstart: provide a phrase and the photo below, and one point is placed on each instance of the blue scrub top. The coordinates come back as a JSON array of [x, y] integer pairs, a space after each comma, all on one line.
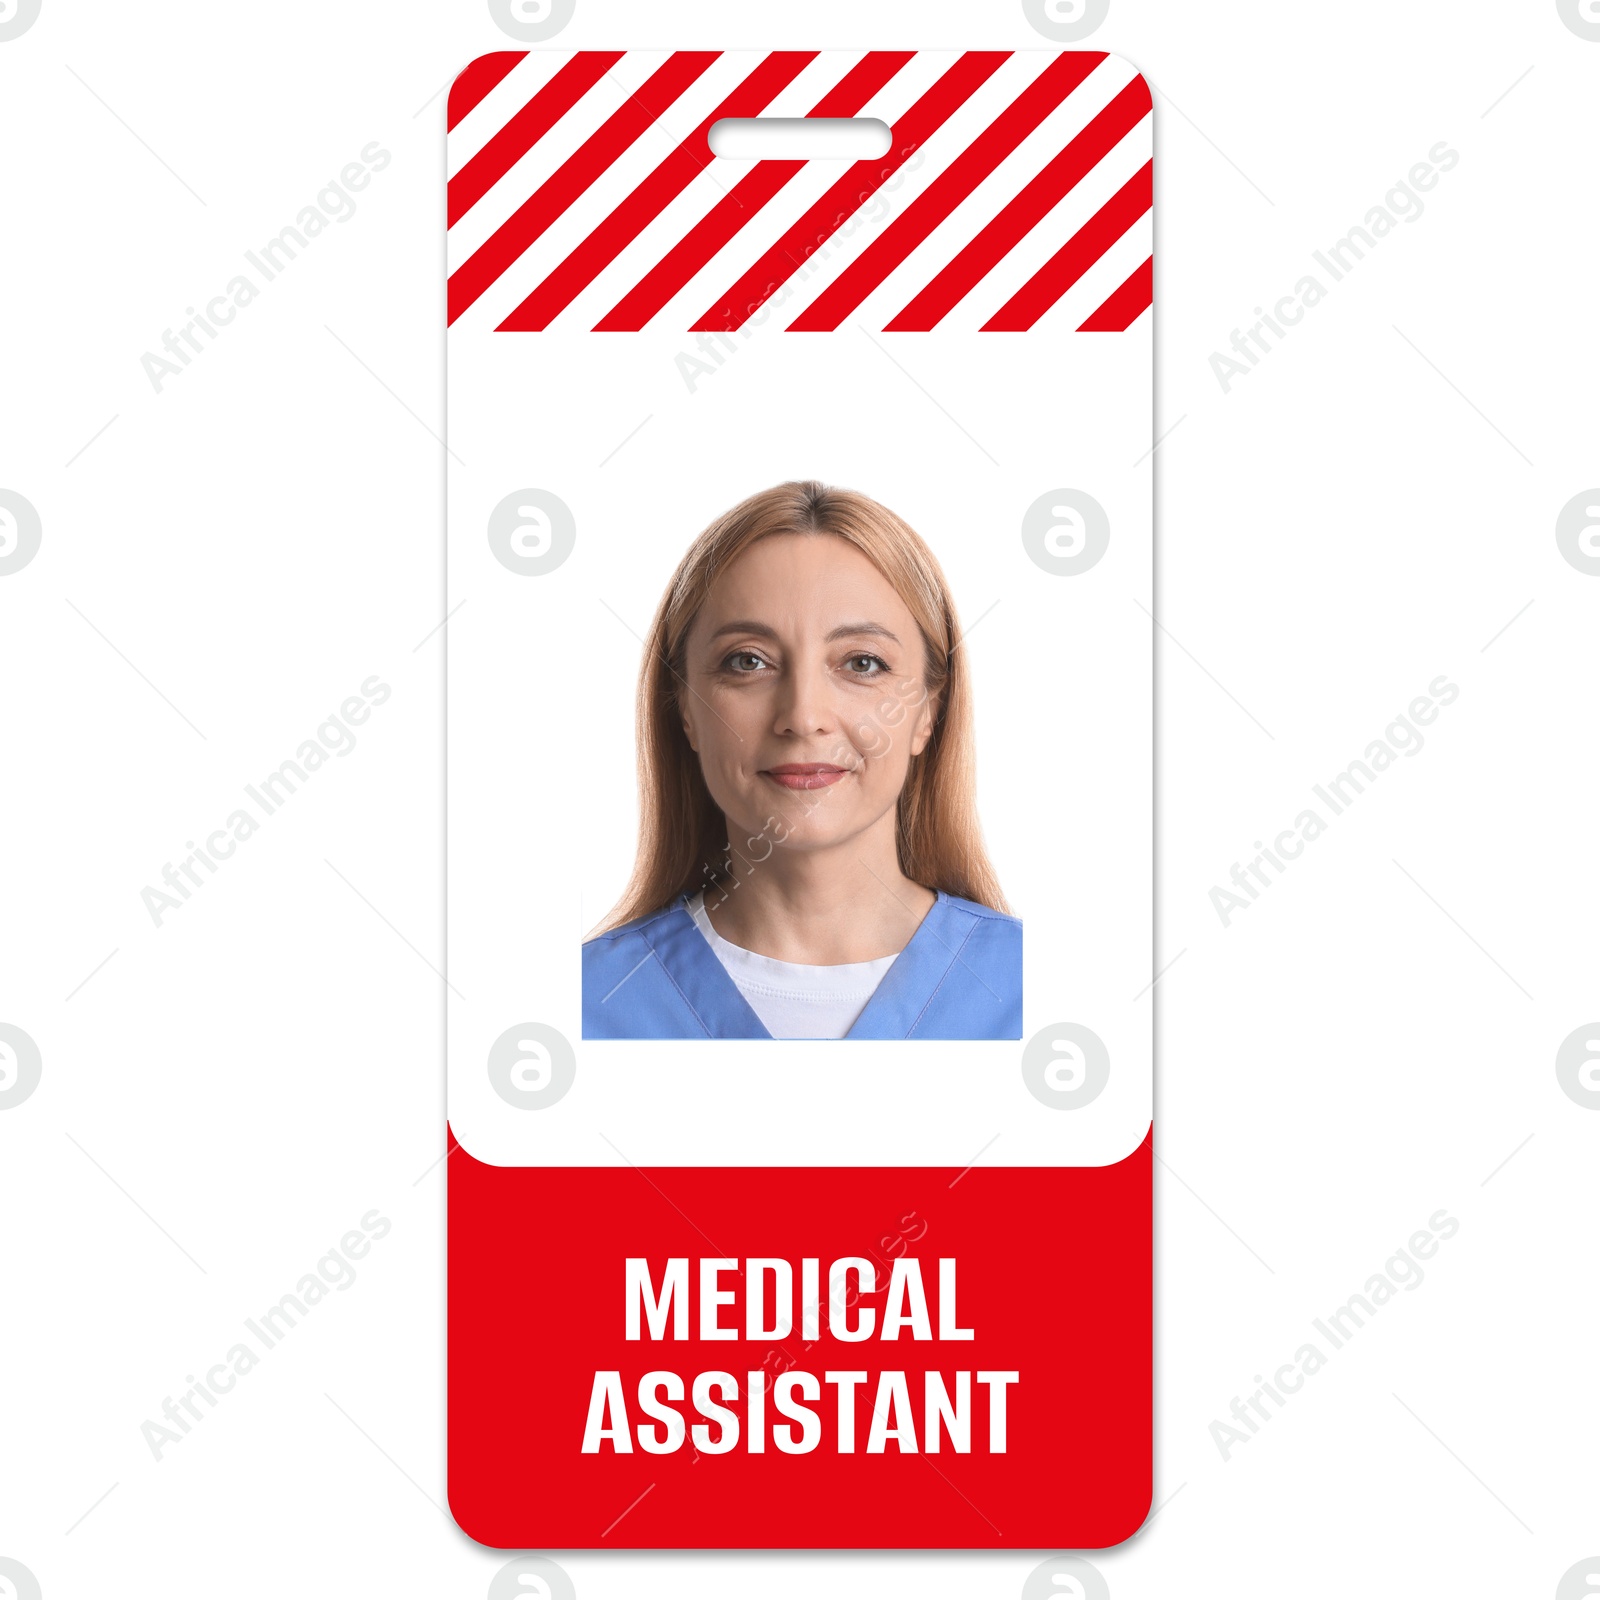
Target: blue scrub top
[[960, 977]]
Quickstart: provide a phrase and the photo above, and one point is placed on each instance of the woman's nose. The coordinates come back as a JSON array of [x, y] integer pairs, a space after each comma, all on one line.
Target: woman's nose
[[805, 703]]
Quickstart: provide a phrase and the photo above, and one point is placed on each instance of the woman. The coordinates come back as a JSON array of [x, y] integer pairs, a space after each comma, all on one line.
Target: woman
[[810, 863]]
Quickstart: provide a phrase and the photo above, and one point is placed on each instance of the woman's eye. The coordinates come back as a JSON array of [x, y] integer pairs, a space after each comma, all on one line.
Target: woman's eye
[[866, 666], [744, 661]]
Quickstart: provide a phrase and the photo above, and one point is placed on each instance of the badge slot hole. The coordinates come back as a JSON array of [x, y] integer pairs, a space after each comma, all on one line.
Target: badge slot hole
[[799, 138]]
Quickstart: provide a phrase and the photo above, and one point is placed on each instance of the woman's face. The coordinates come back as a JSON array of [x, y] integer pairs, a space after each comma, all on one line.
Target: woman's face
[[804, 694]]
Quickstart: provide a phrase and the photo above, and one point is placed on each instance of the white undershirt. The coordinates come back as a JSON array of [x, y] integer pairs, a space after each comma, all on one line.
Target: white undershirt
[[793, 1000]]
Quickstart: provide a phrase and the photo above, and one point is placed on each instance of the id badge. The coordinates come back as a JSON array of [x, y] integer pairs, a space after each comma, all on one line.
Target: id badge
[[800, 799]]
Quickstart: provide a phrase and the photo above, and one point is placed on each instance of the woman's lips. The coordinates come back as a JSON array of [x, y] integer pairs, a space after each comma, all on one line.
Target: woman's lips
[[806, 774]]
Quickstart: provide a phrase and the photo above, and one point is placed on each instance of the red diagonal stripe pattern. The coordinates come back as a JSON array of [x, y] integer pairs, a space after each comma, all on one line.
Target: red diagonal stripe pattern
[[652, 197], [744, 200], [1023, 214], [525, 130], [1076, 256], [947, 191], [643, 107], [1127, 305], [475, 80], [845, 197]]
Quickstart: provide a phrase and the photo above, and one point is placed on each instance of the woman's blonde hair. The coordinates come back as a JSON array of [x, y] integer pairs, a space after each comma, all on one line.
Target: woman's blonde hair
[[683, 842]]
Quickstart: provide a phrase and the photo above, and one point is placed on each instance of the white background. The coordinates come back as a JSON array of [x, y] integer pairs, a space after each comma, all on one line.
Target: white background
[[1373, 1040], [543, 673]]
